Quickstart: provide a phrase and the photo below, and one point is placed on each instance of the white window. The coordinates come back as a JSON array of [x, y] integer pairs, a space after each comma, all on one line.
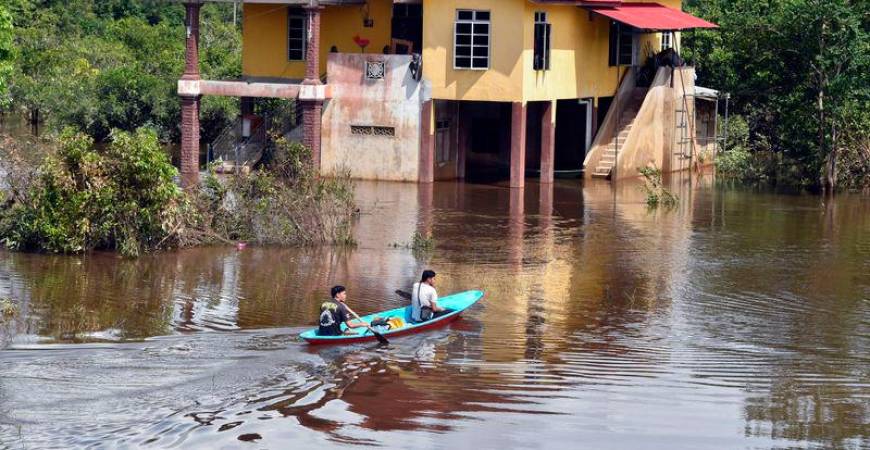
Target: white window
[[471, 40], [667, 39], [297, 34]]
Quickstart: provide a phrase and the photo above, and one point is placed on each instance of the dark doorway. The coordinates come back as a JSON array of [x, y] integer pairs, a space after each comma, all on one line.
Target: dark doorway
[[571, 122], [408, 26], [488, 152], [603, 105]]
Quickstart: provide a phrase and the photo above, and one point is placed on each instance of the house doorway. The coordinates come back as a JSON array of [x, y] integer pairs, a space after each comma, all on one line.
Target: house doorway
[[487, 140], [573, 135]]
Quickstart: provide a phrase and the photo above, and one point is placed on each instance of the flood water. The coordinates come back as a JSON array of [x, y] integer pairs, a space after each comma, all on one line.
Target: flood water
[[739, 319]]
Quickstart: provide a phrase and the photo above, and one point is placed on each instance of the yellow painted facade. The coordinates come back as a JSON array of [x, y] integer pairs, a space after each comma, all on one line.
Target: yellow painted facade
[[264, 38], [579, 50], [578, 62]]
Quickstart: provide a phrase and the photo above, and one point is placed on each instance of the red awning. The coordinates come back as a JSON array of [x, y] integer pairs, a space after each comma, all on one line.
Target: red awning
[[652, 16]]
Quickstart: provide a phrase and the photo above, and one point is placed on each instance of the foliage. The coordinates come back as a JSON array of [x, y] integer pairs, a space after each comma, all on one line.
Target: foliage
[[655, 191], [8, 310], [422, 243], [119, 197], [7, 54], [281, 203], [99, 66], [799, 73]]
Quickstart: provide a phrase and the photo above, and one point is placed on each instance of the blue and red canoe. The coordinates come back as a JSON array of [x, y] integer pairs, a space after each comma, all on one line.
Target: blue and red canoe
[[458, 302]]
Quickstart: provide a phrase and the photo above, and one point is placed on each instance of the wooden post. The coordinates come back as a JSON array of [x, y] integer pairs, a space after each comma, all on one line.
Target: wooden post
[[548, 142], [518, 145]]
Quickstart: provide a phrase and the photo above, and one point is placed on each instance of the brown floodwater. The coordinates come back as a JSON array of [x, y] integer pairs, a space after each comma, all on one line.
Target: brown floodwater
[[738, 319]]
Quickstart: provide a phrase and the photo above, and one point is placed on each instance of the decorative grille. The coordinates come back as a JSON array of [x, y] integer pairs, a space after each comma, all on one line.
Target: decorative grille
[[375, 70]]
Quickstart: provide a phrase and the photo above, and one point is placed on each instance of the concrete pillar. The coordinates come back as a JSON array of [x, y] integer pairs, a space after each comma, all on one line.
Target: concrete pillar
[[190, 105], [548, 142], [427, 143], [516, 228], [311, 109], [518, 145], [464, 141]]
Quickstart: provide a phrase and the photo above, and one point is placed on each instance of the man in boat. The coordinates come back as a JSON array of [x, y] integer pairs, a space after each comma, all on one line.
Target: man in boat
[[424, 299], [334, 312]]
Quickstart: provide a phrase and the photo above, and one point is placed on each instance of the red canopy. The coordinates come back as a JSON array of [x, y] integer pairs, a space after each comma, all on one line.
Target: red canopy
[[652, 16]]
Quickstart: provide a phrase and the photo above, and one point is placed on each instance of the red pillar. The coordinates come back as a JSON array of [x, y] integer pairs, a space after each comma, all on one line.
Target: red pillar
[[190, 104], [189, 141], [191, 60], [548, 142], [427, 143], [518, 144], [311, 108]]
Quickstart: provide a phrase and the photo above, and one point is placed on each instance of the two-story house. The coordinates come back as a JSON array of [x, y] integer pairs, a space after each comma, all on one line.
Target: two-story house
[[423, 90]]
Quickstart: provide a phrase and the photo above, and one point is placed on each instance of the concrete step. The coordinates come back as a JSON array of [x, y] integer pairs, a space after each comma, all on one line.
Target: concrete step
[[600, 175]]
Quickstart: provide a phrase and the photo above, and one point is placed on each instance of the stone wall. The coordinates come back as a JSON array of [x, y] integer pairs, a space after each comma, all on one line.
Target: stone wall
[[371, 127]]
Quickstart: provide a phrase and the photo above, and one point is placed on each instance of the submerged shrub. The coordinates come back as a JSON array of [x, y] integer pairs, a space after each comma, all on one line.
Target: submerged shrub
[[121, 197], [656, 193], [124, 197], [281, 203]]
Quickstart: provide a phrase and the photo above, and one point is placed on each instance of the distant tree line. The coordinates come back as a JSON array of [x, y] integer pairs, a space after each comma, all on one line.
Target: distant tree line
[[99, 65], [799, 75]]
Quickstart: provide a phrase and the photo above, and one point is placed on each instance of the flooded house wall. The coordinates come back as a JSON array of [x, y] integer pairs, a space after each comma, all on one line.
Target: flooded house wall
[[264, 36], [371, 127]]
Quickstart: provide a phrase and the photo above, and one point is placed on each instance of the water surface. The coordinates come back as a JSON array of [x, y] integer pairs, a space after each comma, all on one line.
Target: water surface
[[739, 319]]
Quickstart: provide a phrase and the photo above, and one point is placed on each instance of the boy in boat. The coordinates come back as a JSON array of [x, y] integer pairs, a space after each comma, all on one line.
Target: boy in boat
[[424, 299], [334, 312]]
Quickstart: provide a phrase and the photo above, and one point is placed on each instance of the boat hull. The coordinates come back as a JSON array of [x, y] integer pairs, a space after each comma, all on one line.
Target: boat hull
[[457, 302]]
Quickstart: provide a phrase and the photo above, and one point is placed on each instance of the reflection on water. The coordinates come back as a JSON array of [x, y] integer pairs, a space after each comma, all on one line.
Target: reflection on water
[[737, 320]]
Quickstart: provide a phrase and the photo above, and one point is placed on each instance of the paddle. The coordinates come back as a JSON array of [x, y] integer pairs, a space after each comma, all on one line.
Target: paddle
[[380, 336], [403, 294]]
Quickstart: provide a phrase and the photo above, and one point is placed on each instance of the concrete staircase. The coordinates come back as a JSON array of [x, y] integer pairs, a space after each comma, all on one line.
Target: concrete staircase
[[626, 120]]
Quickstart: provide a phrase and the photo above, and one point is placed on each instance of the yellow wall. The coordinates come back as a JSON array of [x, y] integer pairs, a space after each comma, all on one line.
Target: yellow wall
[[579, 52], [503, 79], [264, 36], [578, 66]]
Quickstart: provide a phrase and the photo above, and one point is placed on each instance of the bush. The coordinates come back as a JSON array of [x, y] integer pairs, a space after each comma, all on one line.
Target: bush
[[281, 203], [654, 188], [121, 198]]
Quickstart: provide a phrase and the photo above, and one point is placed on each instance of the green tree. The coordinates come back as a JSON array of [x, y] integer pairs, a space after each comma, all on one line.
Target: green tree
[[7, 55], [97, 66], [798, 71]]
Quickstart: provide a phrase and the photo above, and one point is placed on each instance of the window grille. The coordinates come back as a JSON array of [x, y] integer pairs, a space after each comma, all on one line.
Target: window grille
[[371, 130], [375, 70], [667, 40], [471, 40], [624, 35], [541, 59], [297, 34]]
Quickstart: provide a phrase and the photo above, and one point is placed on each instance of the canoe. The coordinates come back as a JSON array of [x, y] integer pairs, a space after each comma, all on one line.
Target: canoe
[[458, 302]]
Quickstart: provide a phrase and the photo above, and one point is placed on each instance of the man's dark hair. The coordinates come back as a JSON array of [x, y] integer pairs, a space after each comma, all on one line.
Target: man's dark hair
[[337, 290], [427, 275]]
